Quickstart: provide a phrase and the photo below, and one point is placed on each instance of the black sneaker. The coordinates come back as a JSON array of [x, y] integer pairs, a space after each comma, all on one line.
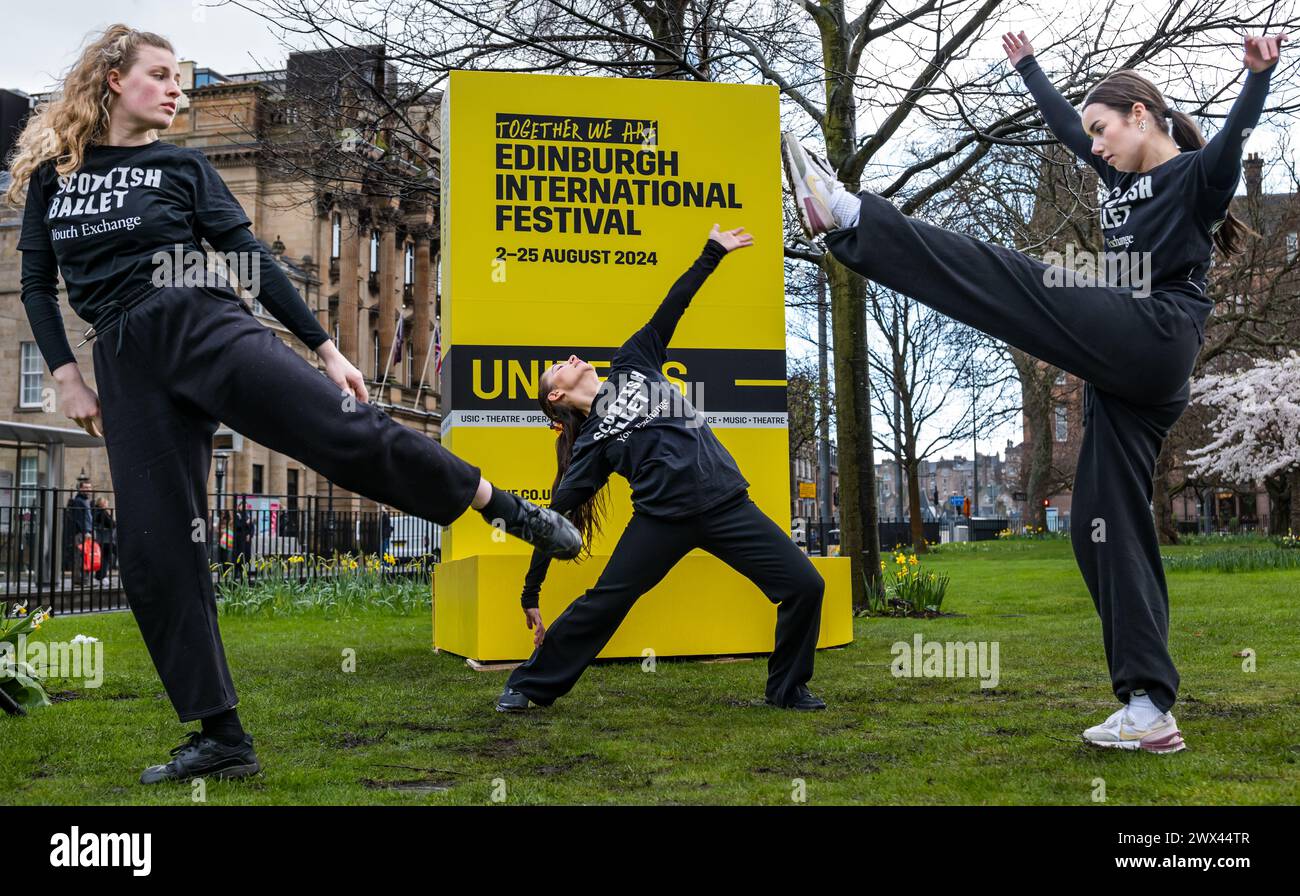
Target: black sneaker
[[511, 701], [804, 701], [544, 529], [203, 757]]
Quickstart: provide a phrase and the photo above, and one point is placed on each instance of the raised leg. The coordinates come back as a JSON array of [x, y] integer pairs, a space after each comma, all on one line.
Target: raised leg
[[241, 373], [1140, 348]]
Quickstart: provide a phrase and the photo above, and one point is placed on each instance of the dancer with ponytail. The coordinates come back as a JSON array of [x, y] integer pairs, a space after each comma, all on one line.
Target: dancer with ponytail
[[686, 493], [104, 196], [1166, 208]]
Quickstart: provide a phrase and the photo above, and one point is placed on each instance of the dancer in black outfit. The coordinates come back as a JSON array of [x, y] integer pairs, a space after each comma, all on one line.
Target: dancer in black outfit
[[1166, 208], [105, 200], [686, 493]]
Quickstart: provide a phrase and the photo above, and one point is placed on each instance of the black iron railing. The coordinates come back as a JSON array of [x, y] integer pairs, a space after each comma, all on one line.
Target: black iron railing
[[58, 548]]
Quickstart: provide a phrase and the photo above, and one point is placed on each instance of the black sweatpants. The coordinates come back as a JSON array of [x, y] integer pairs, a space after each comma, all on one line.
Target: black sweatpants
[[193, 356], [736, 532], [1135, 354]]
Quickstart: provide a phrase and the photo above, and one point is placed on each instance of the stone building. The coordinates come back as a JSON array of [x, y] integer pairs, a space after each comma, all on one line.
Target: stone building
[[364, 260]]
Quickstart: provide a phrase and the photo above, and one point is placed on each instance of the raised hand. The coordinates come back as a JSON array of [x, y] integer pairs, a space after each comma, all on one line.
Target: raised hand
[[1017, 46], [1262, 51], [731, 239]]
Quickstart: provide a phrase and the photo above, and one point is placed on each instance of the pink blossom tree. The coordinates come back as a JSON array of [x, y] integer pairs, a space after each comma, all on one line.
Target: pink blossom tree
[[1256, 428]]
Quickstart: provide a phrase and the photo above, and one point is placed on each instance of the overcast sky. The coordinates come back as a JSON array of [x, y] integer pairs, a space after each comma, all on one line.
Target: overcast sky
[[225, 38]]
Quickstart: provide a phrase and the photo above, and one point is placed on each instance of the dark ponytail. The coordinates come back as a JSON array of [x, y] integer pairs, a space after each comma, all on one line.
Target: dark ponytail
[[589, 515], [1120, 90]]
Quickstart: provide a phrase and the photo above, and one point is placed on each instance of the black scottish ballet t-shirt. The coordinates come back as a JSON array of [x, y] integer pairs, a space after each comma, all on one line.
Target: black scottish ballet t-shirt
[[105, 222], [642, 427]]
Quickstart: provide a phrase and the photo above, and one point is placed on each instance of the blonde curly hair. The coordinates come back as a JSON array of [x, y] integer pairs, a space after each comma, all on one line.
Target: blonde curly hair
[[63, 127]]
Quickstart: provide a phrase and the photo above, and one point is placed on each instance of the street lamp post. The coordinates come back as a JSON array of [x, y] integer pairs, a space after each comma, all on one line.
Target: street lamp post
[[222, 459]]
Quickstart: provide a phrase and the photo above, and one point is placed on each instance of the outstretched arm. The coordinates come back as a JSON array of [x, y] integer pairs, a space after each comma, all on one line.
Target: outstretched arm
[[670, 310], [1061, 119], [1220, 158]]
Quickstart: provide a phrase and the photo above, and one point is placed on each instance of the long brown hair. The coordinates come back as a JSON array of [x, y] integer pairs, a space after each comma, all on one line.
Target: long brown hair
[[1120, 90], [590, 514], [63, 127]]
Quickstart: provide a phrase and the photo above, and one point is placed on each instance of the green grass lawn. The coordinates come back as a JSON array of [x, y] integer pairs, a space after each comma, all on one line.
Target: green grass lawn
[[414, 727]]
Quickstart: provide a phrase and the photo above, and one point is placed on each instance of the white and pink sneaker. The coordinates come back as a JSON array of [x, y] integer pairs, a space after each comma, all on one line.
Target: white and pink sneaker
[[813, 183], [1121, 733]]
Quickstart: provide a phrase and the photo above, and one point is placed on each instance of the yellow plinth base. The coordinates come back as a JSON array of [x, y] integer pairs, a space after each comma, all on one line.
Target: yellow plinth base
[[703, 607]]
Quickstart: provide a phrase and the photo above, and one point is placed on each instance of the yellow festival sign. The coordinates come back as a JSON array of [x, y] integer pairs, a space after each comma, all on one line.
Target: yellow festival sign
[[569, 207]]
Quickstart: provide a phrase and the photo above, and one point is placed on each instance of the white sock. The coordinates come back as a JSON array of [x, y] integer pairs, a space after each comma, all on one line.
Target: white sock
[[845, 206], [1142, 711]]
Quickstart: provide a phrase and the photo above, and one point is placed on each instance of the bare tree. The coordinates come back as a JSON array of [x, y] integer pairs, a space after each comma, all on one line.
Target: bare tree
[[942, 380]]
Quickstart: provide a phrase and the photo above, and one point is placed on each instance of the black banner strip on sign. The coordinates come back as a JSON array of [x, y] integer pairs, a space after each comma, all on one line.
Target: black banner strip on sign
[[504, 377]]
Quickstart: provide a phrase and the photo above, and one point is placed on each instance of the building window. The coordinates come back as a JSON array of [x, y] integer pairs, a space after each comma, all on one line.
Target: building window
[[410, 366], [374, 251], [1292, 243], [408, 274], [32, 377], [257, 479], [1062, 424], [336, 234], [378, 370], [336, 334], [1060, 378], [28, 481]]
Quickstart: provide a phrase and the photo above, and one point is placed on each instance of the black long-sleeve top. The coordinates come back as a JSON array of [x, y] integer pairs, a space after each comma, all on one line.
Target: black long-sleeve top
[[642, 428], [103, 227], [1170, 213]]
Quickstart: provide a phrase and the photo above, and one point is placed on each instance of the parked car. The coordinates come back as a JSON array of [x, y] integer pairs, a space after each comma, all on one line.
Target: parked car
[[413, 537]]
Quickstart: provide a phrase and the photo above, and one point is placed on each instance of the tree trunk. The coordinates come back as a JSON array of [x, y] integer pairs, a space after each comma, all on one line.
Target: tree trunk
[[1166, 527], [1036, 383], [1279, 503], [1294, 524], [914, 500], [859, 526], [859, 532]]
